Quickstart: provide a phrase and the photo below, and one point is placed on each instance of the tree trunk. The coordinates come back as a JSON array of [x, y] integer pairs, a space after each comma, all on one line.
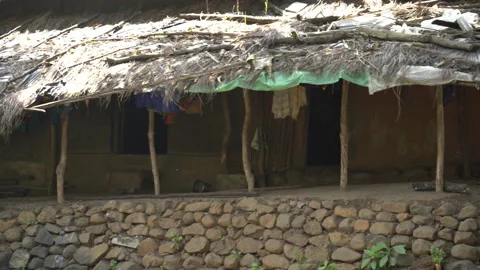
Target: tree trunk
[[344, 137], [227, 132], [440, 140], [245, 143], [62, 164], [53, 160], [153, 154], [462, 131]]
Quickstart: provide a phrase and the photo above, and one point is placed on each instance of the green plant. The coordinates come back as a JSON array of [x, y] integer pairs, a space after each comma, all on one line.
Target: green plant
[[113, 264], [222, 238], [31, 222], [328, 266], [256, 266], [236, 254], [300, 260], [382, 257], [266, 7], [438, 255], [176, 240]]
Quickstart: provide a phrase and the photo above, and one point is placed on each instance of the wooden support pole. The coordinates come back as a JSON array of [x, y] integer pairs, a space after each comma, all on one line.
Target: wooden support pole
[[153, 153], [227, 132], [462, 131], [52, 159], [440, 140], [245, 142], [344, 137], [62, 164]]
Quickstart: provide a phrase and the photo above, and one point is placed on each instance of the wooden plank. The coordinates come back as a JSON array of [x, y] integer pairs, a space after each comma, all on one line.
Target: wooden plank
[[440, 140], [153, 154], [344, 137], [62, 164], [247, 168], [52, 159]]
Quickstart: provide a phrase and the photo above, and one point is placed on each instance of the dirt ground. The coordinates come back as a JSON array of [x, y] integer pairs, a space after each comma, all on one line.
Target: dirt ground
[[360, 194]]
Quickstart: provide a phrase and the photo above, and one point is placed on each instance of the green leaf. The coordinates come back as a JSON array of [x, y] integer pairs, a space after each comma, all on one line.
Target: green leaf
[[393, 261], [373, 265], [368, 252], [365, 262], [399, 249], [383, 261], [381, 245]]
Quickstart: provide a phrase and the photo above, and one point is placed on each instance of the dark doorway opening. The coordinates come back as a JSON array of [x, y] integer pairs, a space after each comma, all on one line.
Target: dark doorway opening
[[324, 124], [135, 128]]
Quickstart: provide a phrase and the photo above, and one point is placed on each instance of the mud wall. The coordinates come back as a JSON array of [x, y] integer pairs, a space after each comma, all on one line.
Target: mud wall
[[232, 234]]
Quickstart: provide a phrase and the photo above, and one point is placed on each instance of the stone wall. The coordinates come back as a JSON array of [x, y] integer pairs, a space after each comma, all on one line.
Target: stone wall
[[231, 234]]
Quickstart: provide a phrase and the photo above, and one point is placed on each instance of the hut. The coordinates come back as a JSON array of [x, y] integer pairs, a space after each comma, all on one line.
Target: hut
[[276, 61]]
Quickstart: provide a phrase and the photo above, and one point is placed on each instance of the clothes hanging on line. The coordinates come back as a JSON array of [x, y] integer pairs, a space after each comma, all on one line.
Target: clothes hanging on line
[[289, 102]]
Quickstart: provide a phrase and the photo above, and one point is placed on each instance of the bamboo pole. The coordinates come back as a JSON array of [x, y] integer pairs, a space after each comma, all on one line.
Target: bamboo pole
[[462, 131], [245, 143], [440, 140], [52, 159], [227, 132], [62, 164], [153, 154], [344, 137]]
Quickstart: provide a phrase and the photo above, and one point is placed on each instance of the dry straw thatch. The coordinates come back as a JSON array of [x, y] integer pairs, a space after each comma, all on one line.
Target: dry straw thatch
[[79, 57]]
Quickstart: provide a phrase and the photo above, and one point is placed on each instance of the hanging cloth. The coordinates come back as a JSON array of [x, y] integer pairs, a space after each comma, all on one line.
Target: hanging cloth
[[298, 99], [448, 94], [154, 101], [289, 102]]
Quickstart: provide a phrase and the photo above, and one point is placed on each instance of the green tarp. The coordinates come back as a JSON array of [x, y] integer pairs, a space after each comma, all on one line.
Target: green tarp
[[285, 80]]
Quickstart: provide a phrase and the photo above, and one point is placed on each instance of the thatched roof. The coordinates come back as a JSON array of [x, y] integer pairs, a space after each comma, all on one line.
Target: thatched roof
[[54, 60]]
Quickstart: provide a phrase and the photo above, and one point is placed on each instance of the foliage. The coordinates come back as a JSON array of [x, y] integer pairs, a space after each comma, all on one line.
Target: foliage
[[236, 254], [438, 255], [113, 264], [382, 257], [328, 266], [266, 7], [256, 266], [176, 240], [300, 260], [31, 222]]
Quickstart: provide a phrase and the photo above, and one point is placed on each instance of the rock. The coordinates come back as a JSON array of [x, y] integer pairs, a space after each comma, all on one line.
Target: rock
[[225, 220], [446, 209], [97, 229], [5, 259], [283, 208], [401, 217], [361, 225], [468, 225], [367, 214], [423, 220], [76, 267], [126, 207], [48, 215], [115, 216], [295, 238], [65, 221], [198, 244], [194, 229], [405, 260], [239, 221], [319, 240], [55, 250], [312, 228], [331, 223], [447, 246], [51, 228], [317, 254], [66, 239], [97, 218], [7, 224], [254, 231], [118, 254], [215, 234], [298, 221], [274, 246], [284, 221], [209, 221], [465, 238], [55, 262], [13, 235], [15, 245], [424, 263], [231, 262], [44, 237], [358, 242], [28, 242], [129, 266], [425, 232], [136, 218], [26, 218], [172, 262], [147, 246], [247, 260], [39, 251], [86, 238], [401, 240], [338, 238], [274, 261], [150, 260], [247, 204], [395, 207], [36, 263], [419, 209], [386, 216], [344, 254], [374, 239], [464, 252], [102, 265], [346, 212], [267, 221], [138, 230], [383, 228], [90, 256], [19, 259], [82, 222], [249, 245], [69, 251], [446, 234], [405, 228], [461, 265], [421, 247], [449, 222], [469, 211], [224, 247], [319, 214], [213, 260], [292, 251], [32, 230], [346, 225], [168, 223]]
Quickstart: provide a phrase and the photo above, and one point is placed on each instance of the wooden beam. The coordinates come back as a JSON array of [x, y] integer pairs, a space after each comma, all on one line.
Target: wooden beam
[[153, 154], [344, 137], [440, 140], [227, 132], [62, 164], [247, 168], [52, 159], [462, 130]]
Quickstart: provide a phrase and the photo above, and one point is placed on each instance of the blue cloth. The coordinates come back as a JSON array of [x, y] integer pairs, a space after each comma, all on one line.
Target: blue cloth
[[153, 101]]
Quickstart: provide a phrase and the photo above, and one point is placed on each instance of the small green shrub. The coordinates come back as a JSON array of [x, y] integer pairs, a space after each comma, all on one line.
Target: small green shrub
[[300, 260], [256, 266], [113, 264], [176, 240], [438, 255], [236, 254], [328, 266], [382, 257]]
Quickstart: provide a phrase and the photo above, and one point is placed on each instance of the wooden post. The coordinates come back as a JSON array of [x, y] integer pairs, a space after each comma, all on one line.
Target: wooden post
[[246, 144], [344, 137], [52, 159], [227, 132], [153, 154], [62, 164], [462, 131], [440, 140]]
